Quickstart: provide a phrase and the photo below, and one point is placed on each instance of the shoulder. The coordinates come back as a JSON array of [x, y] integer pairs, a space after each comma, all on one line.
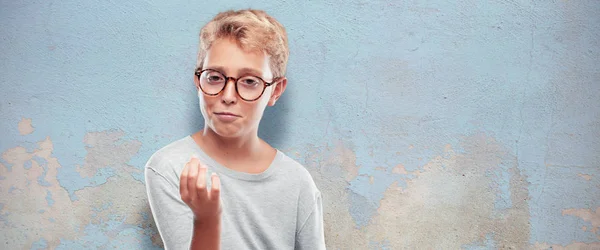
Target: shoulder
[[301, 181], [170, 159], [297, 175]]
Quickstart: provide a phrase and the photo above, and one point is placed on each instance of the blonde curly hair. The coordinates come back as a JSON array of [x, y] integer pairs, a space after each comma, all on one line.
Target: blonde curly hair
[[253, 30]]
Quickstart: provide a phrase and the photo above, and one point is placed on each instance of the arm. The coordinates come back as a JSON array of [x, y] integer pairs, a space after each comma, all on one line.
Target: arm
[[177, 225], [206, 235], [172, 216], [311, 234]]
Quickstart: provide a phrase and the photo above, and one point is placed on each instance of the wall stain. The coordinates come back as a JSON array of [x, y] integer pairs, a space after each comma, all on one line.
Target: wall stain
[[572, 246], [332, 168], [451, 202], [587, 215], [64, 219], [448, 203], [586, 177], [25, 126]]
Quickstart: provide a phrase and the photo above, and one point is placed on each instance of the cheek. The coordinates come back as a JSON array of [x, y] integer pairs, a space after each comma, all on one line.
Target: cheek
[[257, 108], [266, 97], [204, 103]]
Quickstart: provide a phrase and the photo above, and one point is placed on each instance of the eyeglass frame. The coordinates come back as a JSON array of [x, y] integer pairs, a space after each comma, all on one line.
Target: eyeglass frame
[[199, 72]]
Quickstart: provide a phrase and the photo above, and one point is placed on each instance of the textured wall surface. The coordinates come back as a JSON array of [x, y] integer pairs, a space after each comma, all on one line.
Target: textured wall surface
[[446, 124]]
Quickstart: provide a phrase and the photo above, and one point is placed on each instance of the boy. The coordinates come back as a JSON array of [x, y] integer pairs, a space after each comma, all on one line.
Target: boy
[[258, 198]]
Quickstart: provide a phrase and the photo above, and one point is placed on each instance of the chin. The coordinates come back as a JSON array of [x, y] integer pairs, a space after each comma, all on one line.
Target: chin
[[227, 130]]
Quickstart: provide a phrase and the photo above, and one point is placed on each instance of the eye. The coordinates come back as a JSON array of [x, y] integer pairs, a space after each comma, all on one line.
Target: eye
[[249, 81], [214, 77]]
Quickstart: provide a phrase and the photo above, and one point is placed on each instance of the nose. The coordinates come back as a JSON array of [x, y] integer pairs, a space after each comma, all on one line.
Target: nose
[[229, 95]]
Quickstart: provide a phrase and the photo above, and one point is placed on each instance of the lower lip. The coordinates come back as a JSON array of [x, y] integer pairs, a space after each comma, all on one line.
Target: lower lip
[[227, 118]]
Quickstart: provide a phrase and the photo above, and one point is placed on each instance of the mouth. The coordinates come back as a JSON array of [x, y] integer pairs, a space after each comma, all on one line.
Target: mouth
[[226, 114]]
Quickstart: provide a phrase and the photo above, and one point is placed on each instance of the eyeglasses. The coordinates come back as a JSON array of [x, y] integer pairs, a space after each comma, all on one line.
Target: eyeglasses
[[249, 87]]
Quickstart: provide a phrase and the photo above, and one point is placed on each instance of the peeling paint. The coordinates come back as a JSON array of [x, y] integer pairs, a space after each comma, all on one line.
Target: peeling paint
[[440, 195], [587, 215], [333, 168], [459, 208], [572, 246], [25, 127], [586, 177], [125, 207], [399, 169]]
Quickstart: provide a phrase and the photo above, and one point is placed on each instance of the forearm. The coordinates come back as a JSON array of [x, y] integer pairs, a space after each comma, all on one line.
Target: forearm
[[207, 235]]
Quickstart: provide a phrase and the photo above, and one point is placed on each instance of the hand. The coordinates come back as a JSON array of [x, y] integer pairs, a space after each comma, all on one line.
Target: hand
[[206, 204]]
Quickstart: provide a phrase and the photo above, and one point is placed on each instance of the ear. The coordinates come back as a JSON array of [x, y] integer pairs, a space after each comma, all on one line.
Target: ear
[[278, 91]]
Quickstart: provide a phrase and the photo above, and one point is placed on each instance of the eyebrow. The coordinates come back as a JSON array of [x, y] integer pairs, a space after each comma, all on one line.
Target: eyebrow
[[240, 71]]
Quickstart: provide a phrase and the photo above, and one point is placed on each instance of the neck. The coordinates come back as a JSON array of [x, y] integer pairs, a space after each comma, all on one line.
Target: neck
[[244, 146]]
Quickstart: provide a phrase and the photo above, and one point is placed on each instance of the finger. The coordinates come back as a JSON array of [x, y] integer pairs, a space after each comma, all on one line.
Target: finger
[[215, 189], [191, 184], [201, 183], [183, 190]]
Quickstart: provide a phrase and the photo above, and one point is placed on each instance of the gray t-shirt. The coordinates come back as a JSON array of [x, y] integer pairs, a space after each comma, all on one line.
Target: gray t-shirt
[[279, 208]]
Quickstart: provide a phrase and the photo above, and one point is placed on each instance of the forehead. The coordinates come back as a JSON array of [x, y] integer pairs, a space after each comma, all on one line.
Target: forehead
[[227, 56]]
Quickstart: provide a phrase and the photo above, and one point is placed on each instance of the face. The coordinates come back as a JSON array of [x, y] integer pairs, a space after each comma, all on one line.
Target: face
[[227, 114]]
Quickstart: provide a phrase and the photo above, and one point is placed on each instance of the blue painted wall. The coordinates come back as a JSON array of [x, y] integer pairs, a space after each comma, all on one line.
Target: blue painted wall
[[447, 124]]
